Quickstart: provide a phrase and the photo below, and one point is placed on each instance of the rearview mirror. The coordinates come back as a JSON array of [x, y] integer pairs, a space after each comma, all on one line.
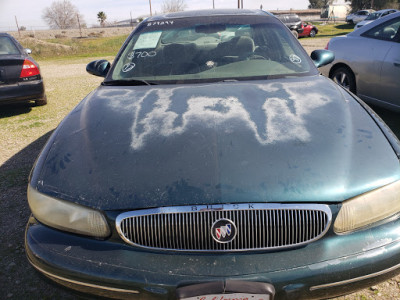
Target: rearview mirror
[[211, 28], [322, 57], [28, 51], [98, 67]]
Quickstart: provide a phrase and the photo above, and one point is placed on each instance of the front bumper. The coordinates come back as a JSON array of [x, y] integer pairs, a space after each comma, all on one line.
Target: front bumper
[[322, 269], [22, 91]]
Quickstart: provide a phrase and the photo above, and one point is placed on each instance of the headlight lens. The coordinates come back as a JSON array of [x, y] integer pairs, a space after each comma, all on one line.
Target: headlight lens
[[67, 216], [369, 208]]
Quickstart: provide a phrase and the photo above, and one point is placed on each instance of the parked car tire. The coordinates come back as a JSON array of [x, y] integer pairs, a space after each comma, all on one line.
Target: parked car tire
[[344, 77], [295, 33], [41, 102], [313, 33]]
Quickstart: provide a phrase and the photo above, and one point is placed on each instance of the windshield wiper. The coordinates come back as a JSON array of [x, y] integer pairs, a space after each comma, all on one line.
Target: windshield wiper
[[130, 82]]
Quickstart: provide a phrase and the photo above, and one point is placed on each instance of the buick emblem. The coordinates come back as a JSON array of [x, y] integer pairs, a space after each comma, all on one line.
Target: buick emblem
[[223, 231]]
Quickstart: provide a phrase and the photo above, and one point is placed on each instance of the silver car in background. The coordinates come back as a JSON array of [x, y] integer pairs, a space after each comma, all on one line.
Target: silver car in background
[[358, 16], [374, 16], [367, 62]]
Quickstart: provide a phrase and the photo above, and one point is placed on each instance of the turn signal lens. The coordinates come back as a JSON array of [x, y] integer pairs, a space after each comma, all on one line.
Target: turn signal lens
[[369, 209], [29, 69]]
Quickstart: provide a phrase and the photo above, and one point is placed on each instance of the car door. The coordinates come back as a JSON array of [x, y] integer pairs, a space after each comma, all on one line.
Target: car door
[[385, 44], [360, 16], [390, 75]]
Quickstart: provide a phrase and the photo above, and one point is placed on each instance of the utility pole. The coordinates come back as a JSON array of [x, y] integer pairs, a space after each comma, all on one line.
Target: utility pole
[[150, 8], [131, 19], [79, 23], [19, 33], [213, 5]]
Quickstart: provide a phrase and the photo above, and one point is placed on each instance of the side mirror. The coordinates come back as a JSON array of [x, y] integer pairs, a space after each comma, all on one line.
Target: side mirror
[[98, 67], [28, 51], [322, 57]]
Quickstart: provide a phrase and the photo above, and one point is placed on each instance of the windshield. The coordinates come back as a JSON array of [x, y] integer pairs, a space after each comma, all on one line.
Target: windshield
[[211, 48], [373, 16]]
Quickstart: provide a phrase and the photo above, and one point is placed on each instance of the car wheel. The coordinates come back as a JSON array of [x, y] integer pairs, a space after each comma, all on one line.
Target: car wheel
[[42, 101], [313, 33], [295, 33], [344, 77]]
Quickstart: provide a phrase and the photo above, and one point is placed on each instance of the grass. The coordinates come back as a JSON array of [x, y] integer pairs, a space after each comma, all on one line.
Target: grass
[[75, 47], [331, 30], [66, 83], [93, 46]]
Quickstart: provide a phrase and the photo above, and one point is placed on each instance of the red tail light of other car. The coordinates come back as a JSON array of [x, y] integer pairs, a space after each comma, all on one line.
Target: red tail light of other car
[[29, 69]]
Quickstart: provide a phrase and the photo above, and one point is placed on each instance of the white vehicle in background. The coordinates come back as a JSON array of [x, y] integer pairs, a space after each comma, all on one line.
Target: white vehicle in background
[[358, 16], [375, 15]]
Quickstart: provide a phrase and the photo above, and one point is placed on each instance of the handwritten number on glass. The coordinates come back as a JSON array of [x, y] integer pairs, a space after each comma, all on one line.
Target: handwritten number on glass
[[141, 54]]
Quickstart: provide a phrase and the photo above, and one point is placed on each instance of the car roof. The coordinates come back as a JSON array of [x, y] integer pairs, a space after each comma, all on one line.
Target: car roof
[[367, 10], [292, 15], [208, 13], [4, 34], [376, 22], [385, 10]]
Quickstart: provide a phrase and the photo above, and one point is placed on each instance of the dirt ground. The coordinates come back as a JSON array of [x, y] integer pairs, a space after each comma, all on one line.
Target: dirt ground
[[66, 83]]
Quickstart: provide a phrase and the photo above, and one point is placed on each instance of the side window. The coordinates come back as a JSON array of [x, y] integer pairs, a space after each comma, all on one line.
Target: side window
[[386, 31]]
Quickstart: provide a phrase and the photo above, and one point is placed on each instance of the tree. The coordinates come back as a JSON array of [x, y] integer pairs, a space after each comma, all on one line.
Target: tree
[[374, 4], [319, 3], [173, 5], [101, 17], [62, 15]]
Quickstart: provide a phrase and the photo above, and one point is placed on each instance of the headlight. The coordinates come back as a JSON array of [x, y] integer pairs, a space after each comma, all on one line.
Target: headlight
[[67, 216], [369, 208]]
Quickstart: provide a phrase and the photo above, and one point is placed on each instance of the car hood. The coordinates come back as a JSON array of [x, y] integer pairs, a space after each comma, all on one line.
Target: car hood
[[287, 140], [362, 23]]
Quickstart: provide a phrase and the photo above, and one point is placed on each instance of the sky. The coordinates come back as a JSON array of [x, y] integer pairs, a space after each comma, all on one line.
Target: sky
[[29, 12]]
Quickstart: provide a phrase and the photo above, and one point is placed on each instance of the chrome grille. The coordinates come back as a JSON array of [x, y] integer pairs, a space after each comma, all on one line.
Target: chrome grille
[[258, 226]]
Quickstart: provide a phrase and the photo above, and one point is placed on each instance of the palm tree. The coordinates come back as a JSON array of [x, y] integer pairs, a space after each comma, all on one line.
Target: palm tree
[[101, 16]]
